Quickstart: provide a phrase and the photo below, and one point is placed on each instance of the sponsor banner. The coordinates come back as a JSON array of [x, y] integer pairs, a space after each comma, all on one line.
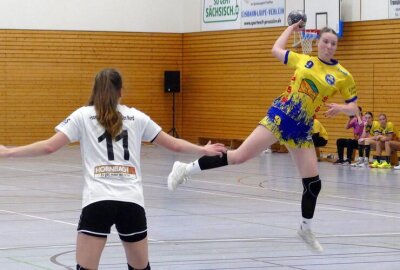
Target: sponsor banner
[[114, 171], [237, 14], [262, 13], [220, 15], [394, 9]]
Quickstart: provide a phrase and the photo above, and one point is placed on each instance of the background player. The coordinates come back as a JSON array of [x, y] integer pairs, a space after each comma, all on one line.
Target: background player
[[290, 119], [365, 141], [384, 133]]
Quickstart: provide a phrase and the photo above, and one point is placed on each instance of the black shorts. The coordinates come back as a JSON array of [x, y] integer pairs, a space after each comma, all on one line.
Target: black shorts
[[129, 219]]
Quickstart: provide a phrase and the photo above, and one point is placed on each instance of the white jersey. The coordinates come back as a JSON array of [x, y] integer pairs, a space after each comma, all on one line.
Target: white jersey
[[111, 167]]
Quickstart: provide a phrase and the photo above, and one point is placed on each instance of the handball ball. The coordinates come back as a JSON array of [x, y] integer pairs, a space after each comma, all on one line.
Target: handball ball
[[295, 16]]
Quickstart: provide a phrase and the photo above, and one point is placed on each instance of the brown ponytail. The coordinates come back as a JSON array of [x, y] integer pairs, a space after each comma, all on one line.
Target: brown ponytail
[[105, 98]]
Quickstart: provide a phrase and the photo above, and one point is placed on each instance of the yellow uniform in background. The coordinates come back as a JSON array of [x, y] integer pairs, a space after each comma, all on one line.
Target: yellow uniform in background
[[319, 128]]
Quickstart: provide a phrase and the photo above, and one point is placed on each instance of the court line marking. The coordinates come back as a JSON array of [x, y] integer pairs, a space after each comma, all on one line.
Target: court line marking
[[212, 182], [48, 219], [229, 195], [27, 263], [292, 192], [220, 193], [221, 240]]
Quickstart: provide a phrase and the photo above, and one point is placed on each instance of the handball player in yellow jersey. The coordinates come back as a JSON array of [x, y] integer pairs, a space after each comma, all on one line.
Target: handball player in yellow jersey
[[290, 119]]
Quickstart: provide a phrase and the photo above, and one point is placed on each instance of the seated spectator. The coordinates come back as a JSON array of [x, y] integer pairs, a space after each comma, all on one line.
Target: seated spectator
[[395, 146], [383, 135], [319, 136], [366, 139], [357, 124]]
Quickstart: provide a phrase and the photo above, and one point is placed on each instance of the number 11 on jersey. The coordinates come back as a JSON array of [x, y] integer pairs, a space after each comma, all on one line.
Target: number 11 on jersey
[[110, 149]]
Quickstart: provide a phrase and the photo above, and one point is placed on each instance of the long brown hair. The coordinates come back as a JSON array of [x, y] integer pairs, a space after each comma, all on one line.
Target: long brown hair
[[105, 98]]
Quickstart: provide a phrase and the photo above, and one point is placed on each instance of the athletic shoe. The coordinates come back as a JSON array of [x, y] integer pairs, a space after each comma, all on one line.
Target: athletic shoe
[[177, 176], [365, 164], [384, 165], [347, 162], [358, 163], [396, 167], [309, 238], [374, 164], [338, 162]]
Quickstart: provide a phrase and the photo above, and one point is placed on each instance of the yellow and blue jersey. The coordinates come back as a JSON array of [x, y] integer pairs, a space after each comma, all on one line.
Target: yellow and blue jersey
[[312, 84], [389, 129], [371, 129], [291, 116]]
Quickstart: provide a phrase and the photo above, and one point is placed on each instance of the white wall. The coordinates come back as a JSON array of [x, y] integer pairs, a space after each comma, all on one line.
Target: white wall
[[351, 10], [96, 15], [374, 10], [192, 15], [294, 5]]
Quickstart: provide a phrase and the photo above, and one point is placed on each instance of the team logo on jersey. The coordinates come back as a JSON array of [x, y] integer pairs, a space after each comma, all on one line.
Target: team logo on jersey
[[114, 171], [309, 64], [330, 79], [309, 88]]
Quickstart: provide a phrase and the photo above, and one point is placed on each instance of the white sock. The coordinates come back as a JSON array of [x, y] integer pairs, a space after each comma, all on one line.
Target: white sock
[[306, 224], [193, 168]]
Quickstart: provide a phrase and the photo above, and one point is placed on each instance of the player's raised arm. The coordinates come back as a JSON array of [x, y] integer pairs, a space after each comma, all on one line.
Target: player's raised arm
[[279, 48]]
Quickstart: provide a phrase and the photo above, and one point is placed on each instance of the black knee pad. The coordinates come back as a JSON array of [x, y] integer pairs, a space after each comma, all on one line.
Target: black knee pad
[[147, 267], [78, 267], [312, 186]]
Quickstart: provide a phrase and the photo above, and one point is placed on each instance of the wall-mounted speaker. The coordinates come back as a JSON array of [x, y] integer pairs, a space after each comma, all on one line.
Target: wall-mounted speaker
[[172, 81]]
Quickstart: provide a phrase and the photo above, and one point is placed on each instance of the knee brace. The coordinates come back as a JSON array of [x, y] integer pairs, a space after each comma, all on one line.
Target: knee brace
[[147, 267], [312, 187]]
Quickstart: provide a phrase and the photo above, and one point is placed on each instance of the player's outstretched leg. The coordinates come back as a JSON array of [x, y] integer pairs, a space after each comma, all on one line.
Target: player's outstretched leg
[[259, 140]]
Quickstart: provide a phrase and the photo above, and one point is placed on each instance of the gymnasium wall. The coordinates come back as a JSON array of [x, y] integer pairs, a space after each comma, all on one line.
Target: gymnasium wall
[[46, 75], [230, 78], [93, 15]]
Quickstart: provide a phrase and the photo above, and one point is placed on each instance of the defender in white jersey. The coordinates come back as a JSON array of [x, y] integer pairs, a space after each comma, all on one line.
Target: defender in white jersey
[[110, 137]]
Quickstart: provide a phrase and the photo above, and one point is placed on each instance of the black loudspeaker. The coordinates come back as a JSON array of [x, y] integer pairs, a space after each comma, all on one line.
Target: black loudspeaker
[[172, 81]]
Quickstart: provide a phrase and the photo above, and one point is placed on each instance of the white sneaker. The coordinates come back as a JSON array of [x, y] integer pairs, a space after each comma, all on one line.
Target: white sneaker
[[309, 238], [364, 164], [396, 167], [177, 176], [358, 163]]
